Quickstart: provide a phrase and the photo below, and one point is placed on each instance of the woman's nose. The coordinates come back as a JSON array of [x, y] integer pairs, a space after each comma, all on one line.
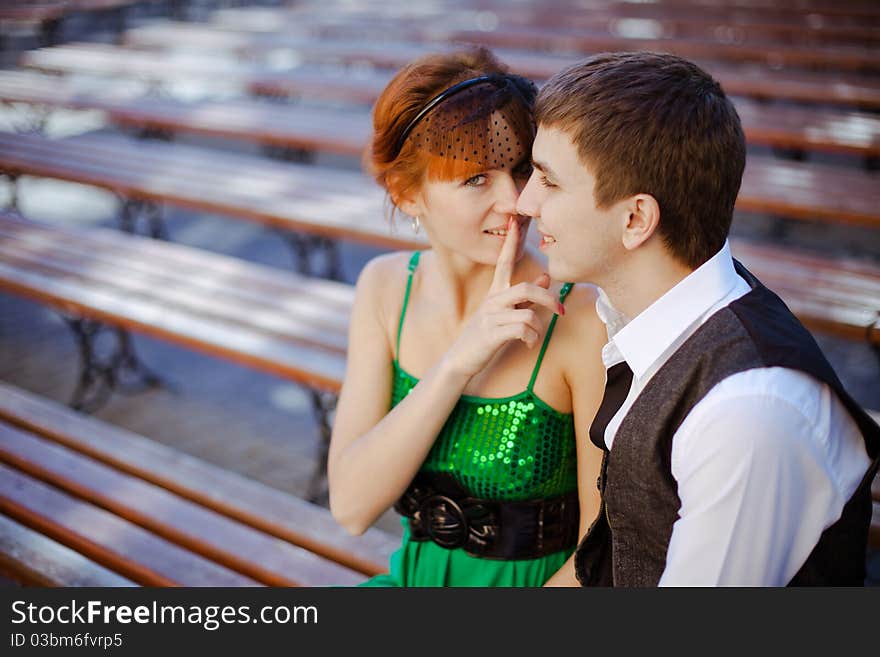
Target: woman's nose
[[506, 194]]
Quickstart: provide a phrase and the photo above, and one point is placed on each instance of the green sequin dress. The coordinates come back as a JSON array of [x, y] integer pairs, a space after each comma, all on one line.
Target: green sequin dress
[[512, 448]]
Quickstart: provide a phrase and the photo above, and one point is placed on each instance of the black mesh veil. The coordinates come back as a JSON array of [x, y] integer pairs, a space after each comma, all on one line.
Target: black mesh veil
[[487, 123]]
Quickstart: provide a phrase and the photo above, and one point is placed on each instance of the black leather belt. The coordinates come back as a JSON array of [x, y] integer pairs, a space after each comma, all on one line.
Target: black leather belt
[[440, 510]]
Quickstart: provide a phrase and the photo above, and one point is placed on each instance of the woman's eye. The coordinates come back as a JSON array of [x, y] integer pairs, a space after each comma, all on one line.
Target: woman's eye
[[545, 182], [476, 181]]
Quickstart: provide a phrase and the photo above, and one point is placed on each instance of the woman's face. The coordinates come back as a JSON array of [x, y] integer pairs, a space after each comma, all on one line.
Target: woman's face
[[469, 216]]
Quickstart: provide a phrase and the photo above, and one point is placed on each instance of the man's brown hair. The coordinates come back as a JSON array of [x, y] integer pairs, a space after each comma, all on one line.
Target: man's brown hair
[[655, 124]]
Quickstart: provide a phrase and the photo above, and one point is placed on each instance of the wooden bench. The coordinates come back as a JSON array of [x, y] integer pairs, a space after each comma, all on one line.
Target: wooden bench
[[859, 91], [277, 124], [324, 202], [45, 16], [673, 21], [737, 26], [296, 327], [48, 15], [812, 129], [348, 205], [86, 503], [842, 58], [83, 503]]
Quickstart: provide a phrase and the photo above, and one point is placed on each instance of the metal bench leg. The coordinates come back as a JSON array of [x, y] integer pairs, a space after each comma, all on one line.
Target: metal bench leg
[[50, 32], [796, 154], [34, 118], [12, 203], [121, 371], [323, 404], [303, 246], [330, 249], [300, 246], [133, 209], [288, 153], [155, 133]]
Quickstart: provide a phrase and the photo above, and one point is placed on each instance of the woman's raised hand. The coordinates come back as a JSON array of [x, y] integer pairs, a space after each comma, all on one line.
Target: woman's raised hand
[[505, 315]]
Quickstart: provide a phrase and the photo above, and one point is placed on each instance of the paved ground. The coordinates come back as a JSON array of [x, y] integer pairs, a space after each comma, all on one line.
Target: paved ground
[[256, 424]]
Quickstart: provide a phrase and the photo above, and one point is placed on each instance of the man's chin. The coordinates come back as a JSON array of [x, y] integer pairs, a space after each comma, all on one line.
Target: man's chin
[[558, 269]]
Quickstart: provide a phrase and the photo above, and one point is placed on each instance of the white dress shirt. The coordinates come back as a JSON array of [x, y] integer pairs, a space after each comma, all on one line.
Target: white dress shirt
[[764, 462]]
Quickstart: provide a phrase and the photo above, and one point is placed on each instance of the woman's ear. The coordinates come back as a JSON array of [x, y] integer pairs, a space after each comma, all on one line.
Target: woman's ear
[[409, 206], [642, 222], [409, 203], [412, 204]]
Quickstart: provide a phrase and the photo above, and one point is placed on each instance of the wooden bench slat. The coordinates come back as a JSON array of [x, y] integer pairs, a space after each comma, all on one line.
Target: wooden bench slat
[[106, 539], [236, 546], [317, 368], [238, 497], [190, 165], [539, 39], [30, 557], [353, 211], [791, 21], [844, 58], [228, 296], [825, 88], [346, 132], [248, 280], [305, 324], [796, 190], [810, 191], [98, 60], [740, 26]]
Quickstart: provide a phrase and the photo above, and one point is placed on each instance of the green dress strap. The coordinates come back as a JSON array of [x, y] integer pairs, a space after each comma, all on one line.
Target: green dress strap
[[413, 263], [563, 292]]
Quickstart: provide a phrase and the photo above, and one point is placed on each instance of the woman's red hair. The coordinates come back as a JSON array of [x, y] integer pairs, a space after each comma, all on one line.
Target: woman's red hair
[[401, 174]]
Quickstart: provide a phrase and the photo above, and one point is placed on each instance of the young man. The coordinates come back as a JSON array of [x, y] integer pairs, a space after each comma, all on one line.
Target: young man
[[733, 454]]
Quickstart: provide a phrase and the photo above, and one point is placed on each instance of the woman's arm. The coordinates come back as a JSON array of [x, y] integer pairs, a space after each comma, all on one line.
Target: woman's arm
[[374, 454], [586, 379]]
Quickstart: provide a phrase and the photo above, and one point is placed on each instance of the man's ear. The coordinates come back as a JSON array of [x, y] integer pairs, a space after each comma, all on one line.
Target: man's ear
[[642, 222]]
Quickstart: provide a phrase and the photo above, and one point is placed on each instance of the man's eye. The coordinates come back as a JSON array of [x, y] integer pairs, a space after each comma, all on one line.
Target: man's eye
[[476, 181]]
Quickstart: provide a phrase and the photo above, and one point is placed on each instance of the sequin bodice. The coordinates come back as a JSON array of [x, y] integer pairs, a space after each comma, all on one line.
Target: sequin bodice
[[511, 448]]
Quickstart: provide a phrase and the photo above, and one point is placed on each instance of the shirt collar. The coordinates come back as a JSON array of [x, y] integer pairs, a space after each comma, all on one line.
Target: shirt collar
[[643, 340]]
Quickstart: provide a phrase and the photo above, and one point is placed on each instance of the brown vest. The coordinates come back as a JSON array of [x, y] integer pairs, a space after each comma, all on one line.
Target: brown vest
[[628, 542]]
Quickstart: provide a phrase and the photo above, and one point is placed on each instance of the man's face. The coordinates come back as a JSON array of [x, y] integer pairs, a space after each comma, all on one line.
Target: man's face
[[582, 242]]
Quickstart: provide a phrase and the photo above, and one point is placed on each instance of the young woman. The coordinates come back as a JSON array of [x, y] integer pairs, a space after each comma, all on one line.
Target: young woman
[[472, 380]]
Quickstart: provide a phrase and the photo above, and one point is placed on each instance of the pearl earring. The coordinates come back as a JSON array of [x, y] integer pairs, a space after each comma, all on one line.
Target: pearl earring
[[416, 224]]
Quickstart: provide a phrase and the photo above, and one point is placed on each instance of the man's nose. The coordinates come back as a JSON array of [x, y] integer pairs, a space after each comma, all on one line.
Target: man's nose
[[526, 205]]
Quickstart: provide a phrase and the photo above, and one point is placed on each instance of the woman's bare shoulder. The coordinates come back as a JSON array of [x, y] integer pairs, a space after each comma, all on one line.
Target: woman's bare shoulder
[[383, 271], [382, 281]]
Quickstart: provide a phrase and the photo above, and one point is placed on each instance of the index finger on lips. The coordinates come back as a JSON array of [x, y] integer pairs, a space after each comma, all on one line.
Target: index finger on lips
[[506, 258]]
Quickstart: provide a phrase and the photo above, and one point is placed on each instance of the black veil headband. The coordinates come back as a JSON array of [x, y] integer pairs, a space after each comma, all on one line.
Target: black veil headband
[[468, 106]]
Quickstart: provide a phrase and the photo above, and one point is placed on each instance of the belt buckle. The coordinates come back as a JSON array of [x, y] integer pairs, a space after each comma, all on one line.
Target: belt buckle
[[444, 521]]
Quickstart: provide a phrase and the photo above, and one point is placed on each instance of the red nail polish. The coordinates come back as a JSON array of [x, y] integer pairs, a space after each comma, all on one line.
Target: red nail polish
[[561, 308]]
